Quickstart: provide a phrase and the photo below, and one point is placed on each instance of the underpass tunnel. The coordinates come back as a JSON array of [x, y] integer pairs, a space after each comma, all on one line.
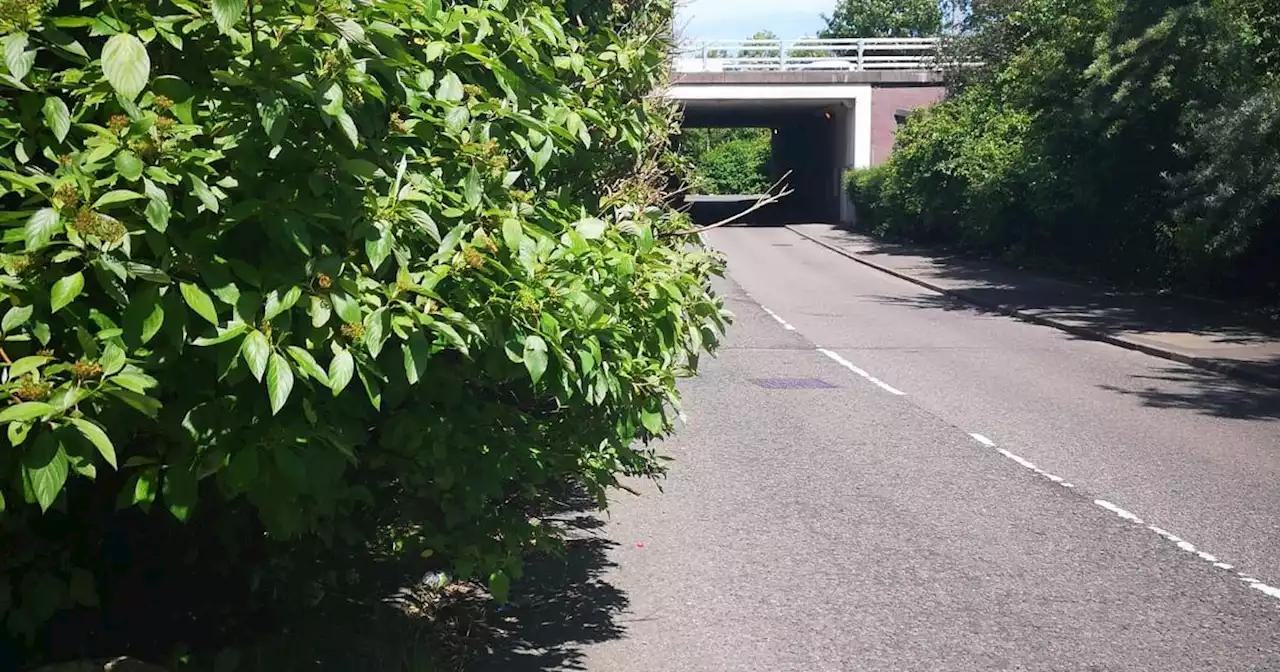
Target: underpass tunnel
[[812, 146]]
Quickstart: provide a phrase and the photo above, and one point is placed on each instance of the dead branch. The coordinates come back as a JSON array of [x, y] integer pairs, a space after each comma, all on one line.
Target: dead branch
[[769, 197]]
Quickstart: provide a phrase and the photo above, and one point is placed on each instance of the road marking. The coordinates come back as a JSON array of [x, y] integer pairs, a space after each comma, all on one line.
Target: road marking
[[1117, 510], [781, 321], [849, 365], [1021, 460], [1183, 544], [983, 440]]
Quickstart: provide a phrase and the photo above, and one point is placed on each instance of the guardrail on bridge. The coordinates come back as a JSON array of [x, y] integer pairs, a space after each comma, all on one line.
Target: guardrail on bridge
[[880, 53]]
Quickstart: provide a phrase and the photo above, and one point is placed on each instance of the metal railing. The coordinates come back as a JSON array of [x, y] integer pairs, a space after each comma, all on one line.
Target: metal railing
[[878, 53]]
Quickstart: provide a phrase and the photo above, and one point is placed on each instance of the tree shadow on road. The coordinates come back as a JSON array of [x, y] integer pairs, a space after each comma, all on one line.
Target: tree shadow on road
[[1204, 392], [562, 604], [1089, 303], [1170, 385]]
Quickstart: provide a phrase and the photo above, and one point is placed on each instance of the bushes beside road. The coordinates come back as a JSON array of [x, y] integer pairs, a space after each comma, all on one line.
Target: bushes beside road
[[290, 282], [1130, 139]]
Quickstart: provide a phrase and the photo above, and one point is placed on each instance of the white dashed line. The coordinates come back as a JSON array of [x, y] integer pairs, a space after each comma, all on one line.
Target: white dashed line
[[1181, 543], [784, 323], [1117, 510], [1021, 460], [849, 365]]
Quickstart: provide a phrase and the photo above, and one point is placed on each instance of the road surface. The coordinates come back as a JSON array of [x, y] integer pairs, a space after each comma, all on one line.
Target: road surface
[[872, 477]]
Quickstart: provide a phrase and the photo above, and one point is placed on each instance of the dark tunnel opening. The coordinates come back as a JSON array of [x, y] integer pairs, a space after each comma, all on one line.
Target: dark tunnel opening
[[806, 148]]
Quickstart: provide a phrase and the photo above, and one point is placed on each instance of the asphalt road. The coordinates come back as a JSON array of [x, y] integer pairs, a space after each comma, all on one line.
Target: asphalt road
[[872, 477]]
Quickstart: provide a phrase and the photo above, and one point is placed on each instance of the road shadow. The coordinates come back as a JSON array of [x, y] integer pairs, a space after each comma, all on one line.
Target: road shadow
[[1203, 392], [1089, 303], [562, 604], [1170, 386]]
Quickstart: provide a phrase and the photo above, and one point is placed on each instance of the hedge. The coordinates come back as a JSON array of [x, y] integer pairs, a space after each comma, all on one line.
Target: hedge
[[348, 272]]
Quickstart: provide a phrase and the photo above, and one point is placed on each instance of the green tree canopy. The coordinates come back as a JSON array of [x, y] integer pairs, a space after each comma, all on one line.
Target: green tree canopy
[[883, 18]]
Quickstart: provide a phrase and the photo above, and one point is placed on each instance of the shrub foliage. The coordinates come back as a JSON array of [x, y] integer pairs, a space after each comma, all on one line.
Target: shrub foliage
[[268, 266], [729, 160], [1135, 139]]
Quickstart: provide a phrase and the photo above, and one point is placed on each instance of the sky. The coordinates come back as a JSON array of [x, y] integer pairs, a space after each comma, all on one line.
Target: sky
[[737, 19]]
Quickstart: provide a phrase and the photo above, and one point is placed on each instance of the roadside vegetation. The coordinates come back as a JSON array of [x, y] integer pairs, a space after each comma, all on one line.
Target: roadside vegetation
[[1137, 141], [302, 294], [729, 160]]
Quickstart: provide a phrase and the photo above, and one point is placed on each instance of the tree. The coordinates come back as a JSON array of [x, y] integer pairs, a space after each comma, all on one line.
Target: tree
[[883, 18]]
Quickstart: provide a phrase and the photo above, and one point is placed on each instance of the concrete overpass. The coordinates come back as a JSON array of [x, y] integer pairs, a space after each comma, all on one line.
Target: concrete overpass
[[833, 104]]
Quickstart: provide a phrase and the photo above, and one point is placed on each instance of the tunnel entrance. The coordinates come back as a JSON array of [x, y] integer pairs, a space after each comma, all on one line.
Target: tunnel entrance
[[808, 139]]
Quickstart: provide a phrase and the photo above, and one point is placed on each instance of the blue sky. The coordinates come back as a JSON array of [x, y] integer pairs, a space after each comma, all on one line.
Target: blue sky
[[736, 19]]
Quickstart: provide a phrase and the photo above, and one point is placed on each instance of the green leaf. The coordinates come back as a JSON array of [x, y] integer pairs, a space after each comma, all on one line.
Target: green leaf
[[41, 227], [199, 302], [98, 438], [180, 492], [226, 13], [141, 402], [376, 331], [242, 470], [379, 248], [223, 336], [16, 56], [320, 311], [499, 586], [16, 317], [126, 65], [256, 349], [117, 196], [204, 193], [26, 365], [417, 350], [425, 221], [135, 381], [274, 113], [652, 421], [112, 360], [340, 370], [57, 117], [472, 190], [65, 291], [347, 308], [157, 213], [350, 30], [348, 126], [129, 165], [279, 382], [456, 119], [276, 305], [512, 234], [46, 467], [332, 100], [543, 155], [308, 364], [27, 410], [590, 228], [450, 88], [535, 356]]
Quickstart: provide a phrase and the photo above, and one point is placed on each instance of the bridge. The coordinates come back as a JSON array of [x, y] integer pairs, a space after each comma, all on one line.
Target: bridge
[[833, 104]]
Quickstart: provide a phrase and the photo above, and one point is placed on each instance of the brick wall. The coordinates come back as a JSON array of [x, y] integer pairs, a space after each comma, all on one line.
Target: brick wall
[[885, 101]]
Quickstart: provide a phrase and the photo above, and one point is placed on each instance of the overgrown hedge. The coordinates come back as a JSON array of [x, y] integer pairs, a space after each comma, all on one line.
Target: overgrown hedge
[[352, 272], [1136, 140]]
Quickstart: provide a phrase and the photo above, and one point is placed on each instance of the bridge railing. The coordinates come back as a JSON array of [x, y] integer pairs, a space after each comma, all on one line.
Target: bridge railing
[[878, 53]]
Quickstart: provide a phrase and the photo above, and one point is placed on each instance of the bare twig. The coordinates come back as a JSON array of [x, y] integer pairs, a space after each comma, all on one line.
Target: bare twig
[[768, 198]]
